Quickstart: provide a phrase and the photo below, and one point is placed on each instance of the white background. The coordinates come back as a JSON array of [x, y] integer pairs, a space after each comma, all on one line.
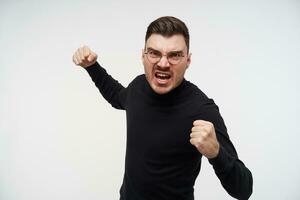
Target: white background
[[59, 139]]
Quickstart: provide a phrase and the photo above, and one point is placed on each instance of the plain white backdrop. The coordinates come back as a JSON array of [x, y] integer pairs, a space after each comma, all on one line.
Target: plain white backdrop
[[60, 140]]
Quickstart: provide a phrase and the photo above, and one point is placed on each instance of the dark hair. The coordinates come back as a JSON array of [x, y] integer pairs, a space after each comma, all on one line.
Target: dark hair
[[168, 26]]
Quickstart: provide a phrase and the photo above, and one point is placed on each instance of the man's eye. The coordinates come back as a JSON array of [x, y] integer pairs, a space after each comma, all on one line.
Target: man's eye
[[154, 53], [175, 55]]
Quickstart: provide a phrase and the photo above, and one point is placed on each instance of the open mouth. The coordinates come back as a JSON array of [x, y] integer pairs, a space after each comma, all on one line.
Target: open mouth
[[162, 75]]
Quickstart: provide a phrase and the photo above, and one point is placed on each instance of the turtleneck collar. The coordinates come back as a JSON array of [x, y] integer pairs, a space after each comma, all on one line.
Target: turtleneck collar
[[174, 96]]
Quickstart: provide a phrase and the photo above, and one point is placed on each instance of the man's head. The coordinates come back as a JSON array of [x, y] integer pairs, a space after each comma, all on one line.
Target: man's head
[[166, 53]]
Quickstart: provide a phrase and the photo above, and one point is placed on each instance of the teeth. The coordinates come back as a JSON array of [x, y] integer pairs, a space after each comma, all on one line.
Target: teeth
[[162, 75]]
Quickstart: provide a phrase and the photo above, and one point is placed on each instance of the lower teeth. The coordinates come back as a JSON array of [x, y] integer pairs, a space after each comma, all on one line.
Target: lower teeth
[[162, 77]]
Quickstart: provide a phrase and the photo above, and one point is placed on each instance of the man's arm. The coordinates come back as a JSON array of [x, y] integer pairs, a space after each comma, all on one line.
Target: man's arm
[[110, 88], [210, 137]]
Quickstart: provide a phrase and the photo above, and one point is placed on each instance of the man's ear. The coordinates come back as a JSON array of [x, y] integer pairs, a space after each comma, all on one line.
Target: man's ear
[[189, 60], [143, 54]]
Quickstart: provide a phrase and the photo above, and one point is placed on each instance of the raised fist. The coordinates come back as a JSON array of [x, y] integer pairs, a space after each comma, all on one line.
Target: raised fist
[[84, 57], [203, 137]]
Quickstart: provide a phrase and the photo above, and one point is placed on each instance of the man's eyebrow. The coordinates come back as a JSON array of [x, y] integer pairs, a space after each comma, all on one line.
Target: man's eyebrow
[[179, 51], [151, 49]]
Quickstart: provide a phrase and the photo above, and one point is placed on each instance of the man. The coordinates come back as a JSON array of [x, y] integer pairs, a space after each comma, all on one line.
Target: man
[[171, 123]]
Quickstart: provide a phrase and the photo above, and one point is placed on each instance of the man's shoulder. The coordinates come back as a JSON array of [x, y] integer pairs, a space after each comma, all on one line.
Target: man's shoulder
[[198, 95], [194, 89], [138, 80]]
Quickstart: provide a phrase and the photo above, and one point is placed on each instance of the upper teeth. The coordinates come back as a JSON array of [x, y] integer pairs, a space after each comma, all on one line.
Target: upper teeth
[[162, 74]]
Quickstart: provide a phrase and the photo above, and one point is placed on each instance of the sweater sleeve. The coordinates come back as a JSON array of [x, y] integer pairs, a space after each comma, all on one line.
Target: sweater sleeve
[[234, 176], [110, 88]]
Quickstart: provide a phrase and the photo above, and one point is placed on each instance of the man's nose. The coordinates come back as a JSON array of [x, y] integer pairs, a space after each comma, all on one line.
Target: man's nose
[[163, 62]]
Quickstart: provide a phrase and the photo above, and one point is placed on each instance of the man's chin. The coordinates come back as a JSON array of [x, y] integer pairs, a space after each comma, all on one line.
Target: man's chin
[[161, 89]]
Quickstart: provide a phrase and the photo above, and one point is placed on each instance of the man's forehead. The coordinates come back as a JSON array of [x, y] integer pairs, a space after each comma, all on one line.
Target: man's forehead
[[166, 44]]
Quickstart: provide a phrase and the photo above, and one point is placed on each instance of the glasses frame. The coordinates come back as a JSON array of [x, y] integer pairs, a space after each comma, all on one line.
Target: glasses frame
[[155, 60]]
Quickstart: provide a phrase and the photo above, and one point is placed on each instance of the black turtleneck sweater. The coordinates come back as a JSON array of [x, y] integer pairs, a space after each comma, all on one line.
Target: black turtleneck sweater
[[161, 163]]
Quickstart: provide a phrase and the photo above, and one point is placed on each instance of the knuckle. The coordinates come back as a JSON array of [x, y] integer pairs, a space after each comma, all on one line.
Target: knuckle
[[192, 142]]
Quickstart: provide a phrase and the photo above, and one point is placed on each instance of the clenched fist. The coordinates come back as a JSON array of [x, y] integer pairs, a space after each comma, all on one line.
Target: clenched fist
[[203, 137], [84, 57]]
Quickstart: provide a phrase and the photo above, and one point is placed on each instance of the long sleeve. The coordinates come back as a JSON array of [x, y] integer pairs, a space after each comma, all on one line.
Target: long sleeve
[[110, 88], [234, 176]]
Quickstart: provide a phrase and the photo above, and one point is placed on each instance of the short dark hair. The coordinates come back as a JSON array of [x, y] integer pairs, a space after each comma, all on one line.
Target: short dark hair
[[168, 26]]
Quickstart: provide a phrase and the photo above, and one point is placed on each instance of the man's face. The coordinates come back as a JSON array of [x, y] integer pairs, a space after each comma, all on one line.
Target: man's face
[[165, 73]]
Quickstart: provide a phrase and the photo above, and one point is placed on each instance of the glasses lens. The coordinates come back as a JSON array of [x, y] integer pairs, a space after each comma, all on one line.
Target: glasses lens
[[173, 58], [153, 57]]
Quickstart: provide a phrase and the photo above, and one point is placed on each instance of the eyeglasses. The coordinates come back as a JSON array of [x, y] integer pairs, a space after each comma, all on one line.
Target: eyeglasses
[[155, 56]]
